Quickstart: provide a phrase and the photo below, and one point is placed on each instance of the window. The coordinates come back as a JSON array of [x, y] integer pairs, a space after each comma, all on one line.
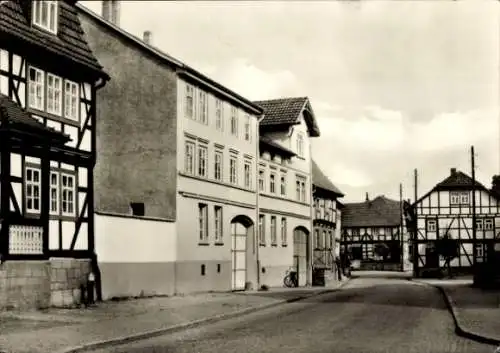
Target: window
[[248, 128], [261, 180], [189, 101], [248, 174], [218, 165], [202, 222], [329, 240], [431, 225], [218, 115], [189, 162], [316, 239], [300, 144], [54, 193], [272, 183], [32, 191], [459, 198], [479, 250], [36, 88], [301, 189], [283, 185], [54, 94], [262, 230], [68, 195], [202, 161], [138, 209], [218, 224], [273, 231], [479, 224], [488, 224], [71, 100], [234, 121], [283, 231], [203, 108], [45, 15], [232, 170], [323, 238], [464, 198]]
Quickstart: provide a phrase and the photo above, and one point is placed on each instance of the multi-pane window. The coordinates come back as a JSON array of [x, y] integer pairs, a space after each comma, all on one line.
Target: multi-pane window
[[233, 168], [189, 101], [218, 115], [459, 198], [261, 179], [300, 188], [273, 230], [54, 193], [248, 174], [45, 14], [203, 107], [202, 161], [262, 230], [67, 194], [218, 224], [54, 94], [32, 190], [234, 121], [218, 156], [431, 225], [203, 222], [272, 183], [283, 185], [300, 144], [189, 162], [71, 100], [248, 128], [283, 231], [36, 88], [488, 224], [479, 224]]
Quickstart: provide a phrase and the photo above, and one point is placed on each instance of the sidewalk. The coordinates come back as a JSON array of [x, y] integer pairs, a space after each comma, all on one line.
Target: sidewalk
[[72, 330], [476, 312]]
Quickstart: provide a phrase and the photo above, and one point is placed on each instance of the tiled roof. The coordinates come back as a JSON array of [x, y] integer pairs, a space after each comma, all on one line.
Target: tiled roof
[[322, 181], [15, 115], [69, 42], [276, 146], [286, 111], [457, 179], [379, 212]]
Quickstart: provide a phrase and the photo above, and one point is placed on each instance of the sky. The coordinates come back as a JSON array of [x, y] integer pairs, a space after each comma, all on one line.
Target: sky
[[394, 86]]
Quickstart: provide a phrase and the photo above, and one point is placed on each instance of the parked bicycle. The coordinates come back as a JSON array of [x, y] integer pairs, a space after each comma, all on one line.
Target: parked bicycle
[[291, 279]]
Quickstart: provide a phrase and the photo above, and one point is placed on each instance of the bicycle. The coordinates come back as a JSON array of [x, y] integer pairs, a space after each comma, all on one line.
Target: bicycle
[[291, 279]]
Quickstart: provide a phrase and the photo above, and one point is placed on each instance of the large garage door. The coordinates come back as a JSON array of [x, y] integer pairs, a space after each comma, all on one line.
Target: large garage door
[[238, 255], [300, 255]]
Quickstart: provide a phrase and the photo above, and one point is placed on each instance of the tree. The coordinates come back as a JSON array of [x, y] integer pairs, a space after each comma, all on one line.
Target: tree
[[447, 248], [382, 250], [495, 184]]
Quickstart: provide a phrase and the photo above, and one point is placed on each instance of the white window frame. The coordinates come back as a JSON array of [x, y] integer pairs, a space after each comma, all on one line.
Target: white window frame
[[203, 107], [431, 225], [248, 128], [203, 222], [31, 184], [190, 101], [36, 89], [52, 10], [248, 174], [479, 224], [300, 144], [69, 192], [218, 165], [284, 239], [274, 231], [464, 198], [272, 182], [488, 224], [54, 194], [262, 230], [234, 121], [202, 169], [283, 185], [190, 158], [262, 179], [219, 115], [54, 94], [71, 100], [218, 224], [479, 249], [233, 170]]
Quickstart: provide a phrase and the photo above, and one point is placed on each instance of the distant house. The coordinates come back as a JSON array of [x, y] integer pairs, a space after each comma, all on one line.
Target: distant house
[[326, 220], [371, 223], [447, 210]]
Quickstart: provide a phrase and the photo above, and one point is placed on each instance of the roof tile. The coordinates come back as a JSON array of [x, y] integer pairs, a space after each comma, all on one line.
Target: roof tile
[[322, 181], [281, 110], [379, 212]]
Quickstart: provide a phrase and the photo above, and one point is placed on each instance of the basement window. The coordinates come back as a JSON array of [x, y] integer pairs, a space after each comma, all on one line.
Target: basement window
[[138, 209]]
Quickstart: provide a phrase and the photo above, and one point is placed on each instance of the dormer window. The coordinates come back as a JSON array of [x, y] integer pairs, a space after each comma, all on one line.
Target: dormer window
[[45, 14]]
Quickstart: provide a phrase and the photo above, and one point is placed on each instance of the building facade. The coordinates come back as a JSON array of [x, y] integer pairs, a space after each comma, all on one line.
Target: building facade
[[48, 101], [326, 221], [370, 224], [447, 209], [285, 189]]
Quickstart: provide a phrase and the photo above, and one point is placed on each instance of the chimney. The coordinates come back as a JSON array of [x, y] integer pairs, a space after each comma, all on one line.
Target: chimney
[[111, 11], [367, 198], [453, 171], [147, 37]]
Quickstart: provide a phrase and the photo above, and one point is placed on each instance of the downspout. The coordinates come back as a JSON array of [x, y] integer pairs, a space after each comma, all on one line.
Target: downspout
[[257, 197]]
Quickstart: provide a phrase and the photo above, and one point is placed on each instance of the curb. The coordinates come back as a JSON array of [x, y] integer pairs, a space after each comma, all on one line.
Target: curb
[[459, 330], [192, 324]]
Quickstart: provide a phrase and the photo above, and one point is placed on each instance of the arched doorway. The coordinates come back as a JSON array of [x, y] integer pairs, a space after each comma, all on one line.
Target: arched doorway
[[301, 253], [241, 228]]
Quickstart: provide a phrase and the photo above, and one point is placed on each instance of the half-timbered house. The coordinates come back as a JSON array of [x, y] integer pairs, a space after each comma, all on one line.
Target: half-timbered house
[[447, 209], [48, 83], [326, 219], [366, 225]]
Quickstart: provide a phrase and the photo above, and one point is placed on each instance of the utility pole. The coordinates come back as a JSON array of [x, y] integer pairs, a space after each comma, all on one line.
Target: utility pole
[[415, 226], [401, 229], [474, 235]]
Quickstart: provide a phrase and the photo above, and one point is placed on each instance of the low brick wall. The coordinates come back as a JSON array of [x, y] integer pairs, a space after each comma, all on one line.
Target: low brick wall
[[28, 285]]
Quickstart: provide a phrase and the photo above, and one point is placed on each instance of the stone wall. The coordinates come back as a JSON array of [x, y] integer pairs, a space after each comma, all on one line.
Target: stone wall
[[66, 277]]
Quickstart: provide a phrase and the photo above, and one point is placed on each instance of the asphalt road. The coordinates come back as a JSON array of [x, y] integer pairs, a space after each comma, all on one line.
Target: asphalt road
[[369, 315]]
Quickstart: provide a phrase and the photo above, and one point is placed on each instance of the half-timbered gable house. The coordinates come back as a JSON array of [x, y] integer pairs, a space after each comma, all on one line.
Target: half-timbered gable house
[[48, 83], [325, 219], [285, 188], [447, 209], [372, 223]]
